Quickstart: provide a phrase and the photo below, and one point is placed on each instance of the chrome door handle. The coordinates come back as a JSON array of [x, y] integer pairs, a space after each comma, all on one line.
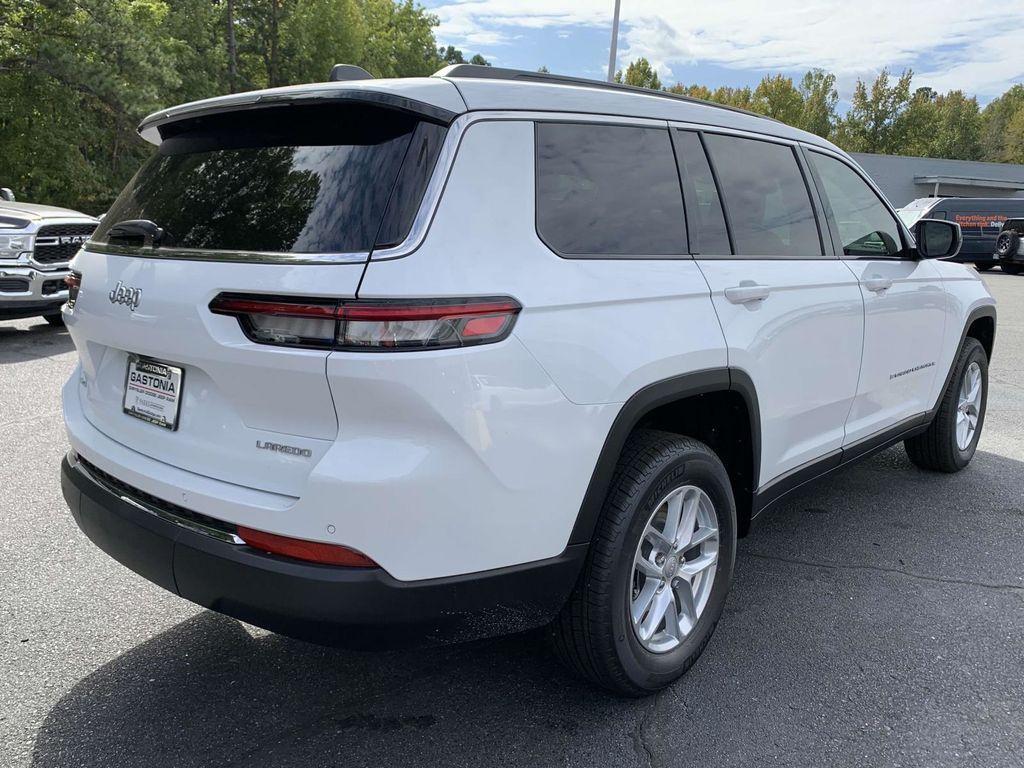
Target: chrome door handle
[[878, 284], [745, 293]]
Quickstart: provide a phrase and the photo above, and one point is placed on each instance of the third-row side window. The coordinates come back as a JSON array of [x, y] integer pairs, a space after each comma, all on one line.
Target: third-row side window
[[608, 190]]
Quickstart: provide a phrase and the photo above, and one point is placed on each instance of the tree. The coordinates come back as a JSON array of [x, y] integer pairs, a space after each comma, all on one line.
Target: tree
[[450, 55], [958, 127], [544, 70], [997, 118], [777, 97], [741, 98], [1012, 150], [399, 39], [873, 122], [641, 74], [818, 113], [318, 34], [692, 91]]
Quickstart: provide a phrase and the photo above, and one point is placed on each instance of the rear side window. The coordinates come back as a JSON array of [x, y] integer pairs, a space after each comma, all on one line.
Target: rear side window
[[766, 197], [704, 218], [608, 190], [866, 228], [300, 178]]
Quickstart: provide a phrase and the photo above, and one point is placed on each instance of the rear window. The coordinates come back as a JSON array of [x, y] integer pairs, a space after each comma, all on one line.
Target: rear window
[[608, 190], [299, 178]]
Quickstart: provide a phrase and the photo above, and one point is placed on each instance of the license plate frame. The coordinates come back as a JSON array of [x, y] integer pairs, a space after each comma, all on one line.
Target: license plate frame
[[153, 395]]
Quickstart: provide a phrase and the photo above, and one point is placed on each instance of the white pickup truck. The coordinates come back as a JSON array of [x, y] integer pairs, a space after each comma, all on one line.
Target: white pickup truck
[[36, 244]]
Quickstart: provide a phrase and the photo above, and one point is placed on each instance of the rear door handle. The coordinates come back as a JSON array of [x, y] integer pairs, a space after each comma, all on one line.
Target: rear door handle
[[878, 284], [747, 292]]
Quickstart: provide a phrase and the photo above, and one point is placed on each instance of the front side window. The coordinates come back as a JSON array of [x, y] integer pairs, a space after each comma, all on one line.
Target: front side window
[[866, 228], [765, 195], [608, 190]]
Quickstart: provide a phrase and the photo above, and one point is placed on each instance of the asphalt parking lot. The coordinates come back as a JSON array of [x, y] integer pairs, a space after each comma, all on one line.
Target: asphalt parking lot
[[876, 619]]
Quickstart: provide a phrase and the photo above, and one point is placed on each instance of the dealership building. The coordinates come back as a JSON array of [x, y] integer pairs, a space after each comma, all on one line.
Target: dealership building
[[903, 179]]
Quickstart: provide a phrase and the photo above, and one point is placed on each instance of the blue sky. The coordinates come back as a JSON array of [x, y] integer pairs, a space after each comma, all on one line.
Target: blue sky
[[978, 48]]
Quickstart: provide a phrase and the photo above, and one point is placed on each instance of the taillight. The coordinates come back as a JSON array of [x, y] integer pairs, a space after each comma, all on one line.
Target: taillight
[[379, 325], [73, 281], [302, 549]]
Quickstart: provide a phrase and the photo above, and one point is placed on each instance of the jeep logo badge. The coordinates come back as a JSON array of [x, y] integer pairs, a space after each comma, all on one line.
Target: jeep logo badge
[[124, 294]]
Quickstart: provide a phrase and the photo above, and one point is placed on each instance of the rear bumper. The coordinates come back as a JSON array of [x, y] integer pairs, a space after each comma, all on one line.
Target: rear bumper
[[363, 608]]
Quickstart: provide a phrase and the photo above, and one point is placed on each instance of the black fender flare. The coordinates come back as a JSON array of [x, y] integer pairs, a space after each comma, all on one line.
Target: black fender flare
[[639, 405], [986, 310]]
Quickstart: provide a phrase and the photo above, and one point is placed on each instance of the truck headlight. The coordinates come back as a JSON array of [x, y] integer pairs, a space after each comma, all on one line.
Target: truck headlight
[[13, 245]]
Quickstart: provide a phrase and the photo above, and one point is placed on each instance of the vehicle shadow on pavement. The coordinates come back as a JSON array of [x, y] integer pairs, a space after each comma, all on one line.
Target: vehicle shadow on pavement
[[860, 624], [19, 343]]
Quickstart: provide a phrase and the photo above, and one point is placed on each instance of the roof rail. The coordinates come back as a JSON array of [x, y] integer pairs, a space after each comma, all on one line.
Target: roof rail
[[482, 72], [340, 72]]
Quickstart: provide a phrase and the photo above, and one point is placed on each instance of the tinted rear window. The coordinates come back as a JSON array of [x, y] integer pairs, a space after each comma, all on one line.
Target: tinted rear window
[[608, 190], [305, 179], [766, 196]]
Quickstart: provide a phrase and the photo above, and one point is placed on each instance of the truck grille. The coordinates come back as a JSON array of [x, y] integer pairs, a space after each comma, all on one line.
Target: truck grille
[[58, 243]]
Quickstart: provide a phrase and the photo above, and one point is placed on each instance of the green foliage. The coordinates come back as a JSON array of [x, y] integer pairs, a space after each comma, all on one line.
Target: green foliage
[[640, 74], [452, 55], [874, 122], [777, 97], [76, 76], [1001, 125], [884, 116], [819, 95]]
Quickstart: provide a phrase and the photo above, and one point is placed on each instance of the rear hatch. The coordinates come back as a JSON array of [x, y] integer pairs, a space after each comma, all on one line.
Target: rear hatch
[[271, 202]]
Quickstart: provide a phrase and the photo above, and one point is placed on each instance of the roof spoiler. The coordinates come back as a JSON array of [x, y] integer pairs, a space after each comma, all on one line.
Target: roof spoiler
[[340, 72]]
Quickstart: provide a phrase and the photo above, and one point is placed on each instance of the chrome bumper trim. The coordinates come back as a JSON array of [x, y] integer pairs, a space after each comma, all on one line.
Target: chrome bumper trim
[[163, 514]]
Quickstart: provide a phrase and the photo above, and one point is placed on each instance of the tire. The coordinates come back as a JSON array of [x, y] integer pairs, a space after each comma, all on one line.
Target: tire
[[595, 635], [1006, 244], [57, 320], [940, 447], [983, 267], [1010, 269]]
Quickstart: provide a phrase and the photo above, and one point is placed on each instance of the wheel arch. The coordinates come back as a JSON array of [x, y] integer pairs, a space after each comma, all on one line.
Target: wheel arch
[[682, 401], [981, 325]]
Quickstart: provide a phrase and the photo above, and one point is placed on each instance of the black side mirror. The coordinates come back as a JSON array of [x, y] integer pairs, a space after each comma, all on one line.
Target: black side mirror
[[6, 194], [937, 239]]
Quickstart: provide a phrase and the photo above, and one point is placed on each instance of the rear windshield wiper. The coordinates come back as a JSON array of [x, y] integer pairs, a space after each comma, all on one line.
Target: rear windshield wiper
[[137, 232]]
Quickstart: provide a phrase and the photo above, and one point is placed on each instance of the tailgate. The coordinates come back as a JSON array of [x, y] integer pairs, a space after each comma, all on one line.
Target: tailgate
[[238, 399]]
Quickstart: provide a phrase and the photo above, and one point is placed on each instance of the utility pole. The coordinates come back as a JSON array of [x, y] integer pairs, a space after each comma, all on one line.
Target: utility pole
[[615, 43]]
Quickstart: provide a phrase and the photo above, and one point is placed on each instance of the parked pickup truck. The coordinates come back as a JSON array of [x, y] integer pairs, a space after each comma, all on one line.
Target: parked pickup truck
[[36, 244]]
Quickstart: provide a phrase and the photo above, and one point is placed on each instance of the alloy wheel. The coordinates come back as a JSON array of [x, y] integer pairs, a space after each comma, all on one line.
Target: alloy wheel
[[674, 569], [968, 406]]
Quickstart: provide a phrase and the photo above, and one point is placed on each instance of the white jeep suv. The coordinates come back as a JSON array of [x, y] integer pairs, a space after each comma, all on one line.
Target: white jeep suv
[[381, 362]]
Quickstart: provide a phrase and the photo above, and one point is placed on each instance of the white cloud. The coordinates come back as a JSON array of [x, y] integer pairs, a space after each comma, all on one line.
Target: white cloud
[[976, 47]]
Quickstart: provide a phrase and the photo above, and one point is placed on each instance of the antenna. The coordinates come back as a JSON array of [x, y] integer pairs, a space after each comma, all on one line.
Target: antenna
[[341, 72]]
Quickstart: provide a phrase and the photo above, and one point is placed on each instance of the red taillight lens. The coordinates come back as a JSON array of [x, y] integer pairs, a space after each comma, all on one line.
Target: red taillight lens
[[73, 281], [387, 325], [301, 549]]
